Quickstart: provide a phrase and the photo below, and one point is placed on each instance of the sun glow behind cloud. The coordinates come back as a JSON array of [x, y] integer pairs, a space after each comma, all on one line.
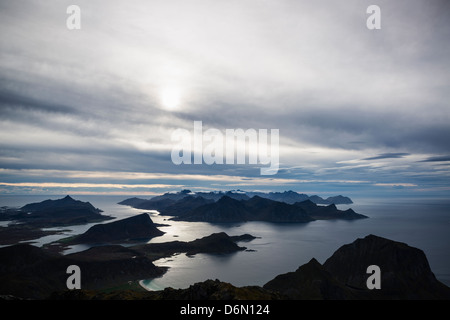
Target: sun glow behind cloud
[[352, 105], [171, 98]]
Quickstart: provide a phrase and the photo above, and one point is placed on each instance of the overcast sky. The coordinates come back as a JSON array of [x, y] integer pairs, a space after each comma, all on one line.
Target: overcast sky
[[359, 111]]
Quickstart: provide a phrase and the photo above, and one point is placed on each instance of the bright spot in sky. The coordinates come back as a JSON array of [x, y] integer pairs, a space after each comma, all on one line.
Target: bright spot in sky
[[170, 98]]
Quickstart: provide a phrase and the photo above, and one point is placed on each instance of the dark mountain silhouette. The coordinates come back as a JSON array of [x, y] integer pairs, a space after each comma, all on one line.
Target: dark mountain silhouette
[[405, 274], [27, 271], [64, 203], [290, 197], [263, 209], [184, 205], [239, 206], [224, 210], [101, 267], [286, 196], [310, 281], [237, 195], [214, 243], [61, 212], [133, 202], [136, 228], [327, 212], [337, 200]]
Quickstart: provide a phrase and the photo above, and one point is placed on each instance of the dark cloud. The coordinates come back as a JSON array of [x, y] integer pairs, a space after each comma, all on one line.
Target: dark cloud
[[388, 156], [437, 159]]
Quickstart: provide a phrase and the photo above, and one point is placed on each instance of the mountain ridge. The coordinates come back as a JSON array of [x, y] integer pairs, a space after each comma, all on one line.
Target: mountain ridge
[[52, 213], [406, 266], [222, 207], [286, 196]]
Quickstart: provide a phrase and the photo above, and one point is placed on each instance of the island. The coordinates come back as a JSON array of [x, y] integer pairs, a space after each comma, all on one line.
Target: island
[[230, 206], [54, 213], [290, 197], [132, 229], [30, 221]]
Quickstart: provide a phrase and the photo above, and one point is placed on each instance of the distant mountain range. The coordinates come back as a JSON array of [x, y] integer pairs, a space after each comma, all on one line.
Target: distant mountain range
[[239, 206], [290, 197]]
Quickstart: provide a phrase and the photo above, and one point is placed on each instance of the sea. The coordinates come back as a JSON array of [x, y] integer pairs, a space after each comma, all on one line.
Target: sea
[[279, 247]]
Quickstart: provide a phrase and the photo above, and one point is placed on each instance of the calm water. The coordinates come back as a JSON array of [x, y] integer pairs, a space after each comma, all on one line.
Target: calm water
[[281, 248]]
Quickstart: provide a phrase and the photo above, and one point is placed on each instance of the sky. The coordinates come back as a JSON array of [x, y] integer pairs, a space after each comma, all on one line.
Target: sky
[[360, 112]]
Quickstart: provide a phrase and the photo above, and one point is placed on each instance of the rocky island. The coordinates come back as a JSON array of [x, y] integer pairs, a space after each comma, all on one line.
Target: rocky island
[[54, 213], [133, 229], [28, 222], [240, 207]]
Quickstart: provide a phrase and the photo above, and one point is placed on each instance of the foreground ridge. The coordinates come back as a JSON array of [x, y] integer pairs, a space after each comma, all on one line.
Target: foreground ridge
[[405, 274]]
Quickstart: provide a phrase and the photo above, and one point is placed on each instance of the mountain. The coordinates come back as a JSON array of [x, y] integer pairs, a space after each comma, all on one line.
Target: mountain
[[331, 200], [224, 210], [38, 275], [133, 202], [405, 274], [237, 195], [327, 212], [290, 197], [136, 228], [338, 200], [184, 205], [286, 196], [27, 271], [263, 209], [218, 243], [66, 203], [310, 281], [61, 212]]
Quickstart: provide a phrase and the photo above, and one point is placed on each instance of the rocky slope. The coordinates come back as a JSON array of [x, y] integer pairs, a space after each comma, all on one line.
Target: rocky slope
[[405, 274], [405, 271], [30, 272]]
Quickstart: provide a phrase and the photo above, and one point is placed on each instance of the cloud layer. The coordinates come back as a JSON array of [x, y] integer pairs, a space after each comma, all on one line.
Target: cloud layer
[[360, 110]]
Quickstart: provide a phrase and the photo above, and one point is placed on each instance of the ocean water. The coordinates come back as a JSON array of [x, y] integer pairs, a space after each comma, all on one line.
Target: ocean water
[[281, 248]]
